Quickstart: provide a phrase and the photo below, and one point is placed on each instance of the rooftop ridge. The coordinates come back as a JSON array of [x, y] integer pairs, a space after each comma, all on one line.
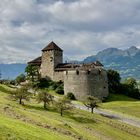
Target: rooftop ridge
[[52, 46]]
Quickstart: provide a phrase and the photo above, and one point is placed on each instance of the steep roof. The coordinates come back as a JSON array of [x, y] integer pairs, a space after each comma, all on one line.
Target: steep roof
[[35, 62], [52, 46]]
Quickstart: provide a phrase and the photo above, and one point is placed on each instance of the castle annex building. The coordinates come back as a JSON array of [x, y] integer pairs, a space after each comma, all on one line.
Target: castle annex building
[[80, 79]]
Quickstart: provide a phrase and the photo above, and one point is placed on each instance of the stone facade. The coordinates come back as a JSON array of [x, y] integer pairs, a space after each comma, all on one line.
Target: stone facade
[[81, 80], [85, 82], [50, 59]]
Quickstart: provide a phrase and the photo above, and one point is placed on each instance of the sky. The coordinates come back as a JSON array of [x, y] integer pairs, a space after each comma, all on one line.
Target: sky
[[80, 27]]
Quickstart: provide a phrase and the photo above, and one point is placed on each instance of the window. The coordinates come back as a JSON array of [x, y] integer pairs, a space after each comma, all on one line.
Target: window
[[51, 59], [77, 72]]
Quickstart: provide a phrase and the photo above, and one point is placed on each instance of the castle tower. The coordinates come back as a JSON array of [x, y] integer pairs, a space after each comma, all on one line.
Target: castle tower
[[52, 55]]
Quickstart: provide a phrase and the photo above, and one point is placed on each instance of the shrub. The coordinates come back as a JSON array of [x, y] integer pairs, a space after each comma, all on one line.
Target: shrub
[[71, 96], [20, 78], [42, 83], [59, 90]]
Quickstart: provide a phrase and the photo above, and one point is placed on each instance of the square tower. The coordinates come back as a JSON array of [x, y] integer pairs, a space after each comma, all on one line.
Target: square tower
[[52, 55]]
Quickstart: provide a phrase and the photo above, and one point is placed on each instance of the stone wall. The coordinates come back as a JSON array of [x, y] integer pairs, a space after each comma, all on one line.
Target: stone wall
[[82, 83], [50, 59], [58, 76]]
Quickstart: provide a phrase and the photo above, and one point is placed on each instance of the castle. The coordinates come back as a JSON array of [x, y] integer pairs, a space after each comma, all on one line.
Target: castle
[[79, 79]]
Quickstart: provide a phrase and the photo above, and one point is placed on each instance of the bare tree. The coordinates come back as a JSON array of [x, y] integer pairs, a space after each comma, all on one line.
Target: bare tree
[[91, 102]]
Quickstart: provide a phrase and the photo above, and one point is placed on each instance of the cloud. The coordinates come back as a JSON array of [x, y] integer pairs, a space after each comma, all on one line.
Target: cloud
[[80, 27]]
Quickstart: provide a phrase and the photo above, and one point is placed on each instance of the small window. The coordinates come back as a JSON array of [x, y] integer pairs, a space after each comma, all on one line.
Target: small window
[[88, 72], [99, 72], [51, 59], [77, 72]]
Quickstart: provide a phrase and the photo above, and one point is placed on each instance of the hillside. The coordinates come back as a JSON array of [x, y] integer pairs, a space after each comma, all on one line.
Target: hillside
[[127, 62], [32, 122]]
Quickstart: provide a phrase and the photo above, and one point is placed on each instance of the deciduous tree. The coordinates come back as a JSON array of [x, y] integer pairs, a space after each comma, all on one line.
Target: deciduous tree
[[32, 72], [63, 104], [21, 94], [20, 78], [113, 81], [45, 97], [91, 102]]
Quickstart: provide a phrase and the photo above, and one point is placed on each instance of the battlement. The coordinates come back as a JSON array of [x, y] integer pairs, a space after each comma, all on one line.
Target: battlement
[[80, 71]]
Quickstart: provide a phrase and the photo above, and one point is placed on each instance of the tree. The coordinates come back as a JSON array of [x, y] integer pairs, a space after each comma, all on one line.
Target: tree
[[45, 97], [63, 104], [130, 88], [91, 102], [131, 82], [20, 78], [113, 81], [32, 72], [21, 94]]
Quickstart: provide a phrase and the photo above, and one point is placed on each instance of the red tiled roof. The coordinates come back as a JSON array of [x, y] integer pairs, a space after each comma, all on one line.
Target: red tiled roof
[[52, 46]]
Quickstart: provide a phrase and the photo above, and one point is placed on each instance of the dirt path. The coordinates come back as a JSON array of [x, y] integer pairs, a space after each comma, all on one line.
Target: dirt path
[[112, 115]]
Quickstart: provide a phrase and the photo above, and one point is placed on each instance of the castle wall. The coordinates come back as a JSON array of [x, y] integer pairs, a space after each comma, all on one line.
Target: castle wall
[[58, 76], [84, 83]]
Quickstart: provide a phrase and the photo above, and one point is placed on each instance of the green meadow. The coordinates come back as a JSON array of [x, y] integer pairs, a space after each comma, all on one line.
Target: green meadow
[[123, 104], [32, 122]]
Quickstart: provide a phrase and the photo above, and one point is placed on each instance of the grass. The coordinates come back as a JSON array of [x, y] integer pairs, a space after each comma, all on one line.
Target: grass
[[32, 122], [123, 104]]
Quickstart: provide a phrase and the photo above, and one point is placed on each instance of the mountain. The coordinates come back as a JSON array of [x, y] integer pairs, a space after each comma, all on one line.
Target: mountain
[[127, 62], [11, 71]]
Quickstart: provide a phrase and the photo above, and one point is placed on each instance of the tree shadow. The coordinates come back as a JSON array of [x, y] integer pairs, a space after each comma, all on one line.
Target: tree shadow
[[118, 97], [40, 108], [82, 119], [66, 114]]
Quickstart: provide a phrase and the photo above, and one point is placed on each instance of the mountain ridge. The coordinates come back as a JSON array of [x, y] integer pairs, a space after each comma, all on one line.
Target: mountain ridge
[[127, 61]]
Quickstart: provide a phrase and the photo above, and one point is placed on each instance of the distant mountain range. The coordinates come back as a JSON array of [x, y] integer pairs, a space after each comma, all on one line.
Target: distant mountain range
[[11, 71], [127, 62]]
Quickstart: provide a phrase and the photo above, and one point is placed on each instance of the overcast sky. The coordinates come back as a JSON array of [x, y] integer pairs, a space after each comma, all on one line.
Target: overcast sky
[[80, 27]]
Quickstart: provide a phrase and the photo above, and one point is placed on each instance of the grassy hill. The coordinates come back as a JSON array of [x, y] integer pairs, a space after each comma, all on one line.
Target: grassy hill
[[123, 104], [32, 122]]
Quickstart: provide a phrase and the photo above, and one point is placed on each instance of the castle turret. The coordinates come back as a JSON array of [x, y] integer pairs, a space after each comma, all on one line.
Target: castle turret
[[52, 55]]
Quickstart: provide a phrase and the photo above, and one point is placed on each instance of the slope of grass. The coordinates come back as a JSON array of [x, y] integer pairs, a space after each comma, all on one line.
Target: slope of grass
[[15, 129], [32, 122], [123, 104]]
